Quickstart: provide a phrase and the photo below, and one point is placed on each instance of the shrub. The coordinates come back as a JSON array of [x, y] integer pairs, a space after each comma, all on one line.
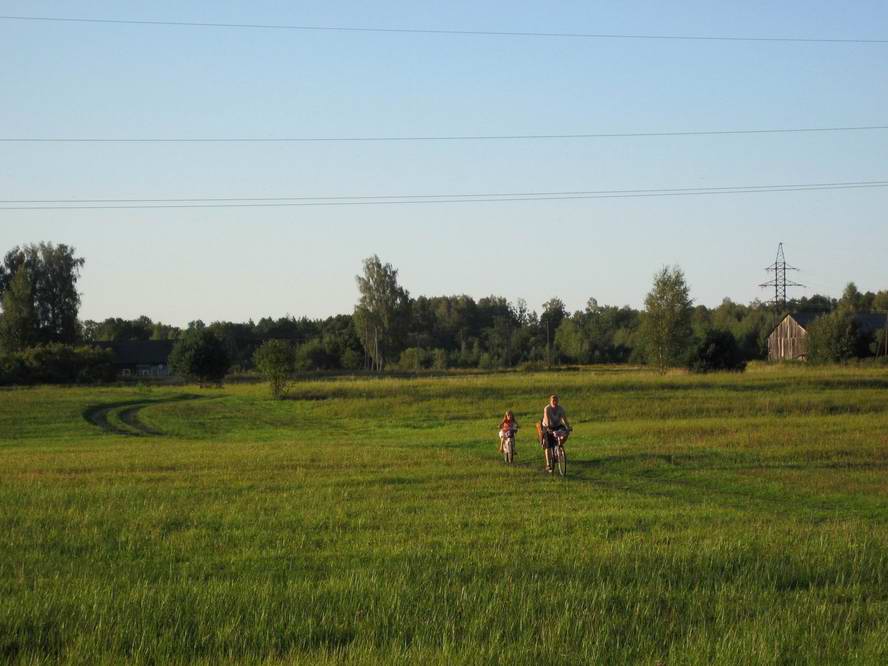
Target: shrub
[[718, 350], [311, 356], [199, 355], [12, 369], [95, 365], [414, 358], [439, 359], [486, 362], [351, 359], [56, 363], [276, 360], [469, 356], [832, 338]]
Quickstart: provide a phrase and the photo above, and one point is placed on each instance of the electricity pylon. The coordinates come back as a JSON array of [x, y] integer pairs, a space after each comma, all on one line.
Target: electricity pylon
[[779, 282]]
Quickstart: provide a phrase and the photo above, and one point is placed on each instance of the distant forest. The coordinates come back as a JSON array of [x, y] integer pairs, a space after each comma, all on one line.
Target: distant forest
[[391, 329], [491, 332]]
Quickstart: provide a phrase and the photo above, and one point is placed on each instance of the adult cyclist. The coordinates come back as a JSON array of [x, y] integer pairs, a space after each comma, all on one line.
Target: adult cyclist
[[555, 426]]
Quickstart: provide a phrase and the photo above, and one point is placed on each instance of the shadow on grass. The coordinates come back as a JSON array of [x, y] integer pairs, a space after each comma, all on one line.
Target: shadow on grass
[[97, 415], [309, 397], [633, 475], [641, 462]]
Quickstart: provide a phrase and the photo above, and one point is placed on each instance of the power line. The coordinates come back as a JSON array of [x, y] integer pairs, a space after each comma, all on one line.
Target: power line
[[364, 200], [467, 137], [667, 190], [428, 31]]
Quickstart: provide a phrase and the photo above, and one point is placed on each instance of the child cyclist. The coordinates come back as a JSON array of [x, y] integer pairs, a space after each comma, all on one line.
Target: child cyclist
[[508, 428]]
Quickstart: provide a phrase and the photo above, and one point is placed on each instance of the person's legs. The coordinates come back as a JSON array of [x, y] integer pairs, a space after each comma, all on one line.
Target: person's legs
[[550, 457]]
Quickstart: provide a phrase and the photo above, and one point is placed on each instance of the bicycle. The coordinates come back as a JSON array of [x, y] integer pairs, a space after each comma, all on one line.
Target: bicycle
[[507, 443], [556, 457], [509, 449], [560, 458]]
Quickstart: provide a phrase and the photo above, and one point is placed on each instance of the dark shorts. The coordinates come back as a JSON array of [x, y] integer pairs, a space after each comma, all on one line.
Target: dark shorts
[[550, 441]]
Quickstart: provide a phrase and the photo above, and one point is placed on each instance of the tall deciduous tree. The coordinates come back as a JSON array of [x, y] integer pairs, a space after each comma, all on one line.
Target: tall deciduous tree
[[666, 322], [115, 329], [201, 356], [554, 312], [382, 307], [53, 271], [833, 338], [852, 300], [17, 323], [571, 340]]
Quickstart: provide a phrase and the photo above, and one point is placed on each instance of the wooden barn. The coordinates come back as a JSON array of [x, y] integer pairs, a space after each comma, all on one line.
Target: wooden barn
[[140, 358], [789, 339]]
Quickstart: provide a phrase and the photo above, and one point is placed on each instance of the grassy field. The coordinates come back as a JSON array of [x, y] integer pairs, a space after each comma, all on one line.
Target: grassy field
[[704, 519]]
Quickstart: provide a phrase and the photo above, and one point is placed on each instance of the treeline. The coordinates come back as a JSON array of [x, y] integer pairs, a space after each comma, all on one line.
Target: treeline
[[41, 336], [442, 332], [841, 333], [320, 344]]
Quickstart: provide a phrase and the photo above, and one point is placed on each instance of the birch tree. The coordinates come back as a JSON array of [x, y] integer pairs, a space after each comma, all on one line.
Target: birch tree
[[17, 322], [666, 321], [52, 271], [381, 308]]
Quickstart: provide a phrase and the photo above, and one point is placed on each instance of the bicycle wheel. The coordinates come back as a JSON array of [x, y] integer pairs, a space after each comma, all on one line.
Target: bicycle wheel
[[508, 451], [561, 459]]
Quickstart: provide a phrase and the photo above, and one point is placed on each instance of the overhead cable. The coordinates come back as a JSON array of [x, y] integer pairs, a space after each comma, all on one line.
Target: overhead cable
[[455, 137], [368, 200], [432, 31]]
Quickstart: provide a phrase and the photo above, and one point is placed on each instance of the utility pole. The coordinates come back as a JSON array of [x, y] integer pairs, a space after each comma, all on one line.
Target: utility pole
[[779, 281]]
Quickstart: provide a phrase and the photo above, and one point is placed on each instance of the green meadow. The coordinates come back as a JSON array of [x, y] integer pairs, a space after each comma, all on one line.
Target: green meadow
[[739, 519]]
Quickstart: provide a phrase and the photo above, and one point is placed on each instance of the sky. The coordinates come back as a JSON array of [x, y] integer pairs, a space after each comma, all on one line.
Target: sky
[[85, 80]]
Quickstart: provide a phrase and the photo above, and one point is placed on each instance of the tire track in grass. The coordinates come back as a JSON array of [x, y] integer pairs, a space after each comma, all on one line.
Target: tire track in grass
[[130, 417], [127, 420]]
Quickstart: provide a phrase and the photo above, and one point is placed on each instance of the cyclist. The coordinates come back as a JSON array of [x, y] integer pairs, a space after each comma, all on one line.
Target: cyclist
[[555, 426], [508, 428]]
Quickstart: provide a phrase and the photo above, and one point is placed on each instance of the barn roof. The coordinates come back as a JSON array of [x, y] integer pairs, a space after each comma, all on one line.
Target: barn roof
[[139, 352]]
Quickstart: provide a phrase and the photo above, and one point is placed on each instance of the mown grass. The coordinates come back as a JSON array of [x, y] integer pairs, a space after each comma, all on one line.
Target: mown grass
[[716, 519]]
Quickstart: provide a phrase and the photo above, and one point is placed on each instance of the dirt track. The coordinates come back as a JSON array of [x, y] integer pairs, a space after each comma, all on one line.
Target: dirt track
[[128, 415]]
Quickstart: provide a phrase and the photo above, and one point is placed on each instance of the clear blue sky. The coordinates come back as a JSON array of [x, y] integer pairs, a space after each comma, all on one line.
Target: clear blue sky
[[79, 80]]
